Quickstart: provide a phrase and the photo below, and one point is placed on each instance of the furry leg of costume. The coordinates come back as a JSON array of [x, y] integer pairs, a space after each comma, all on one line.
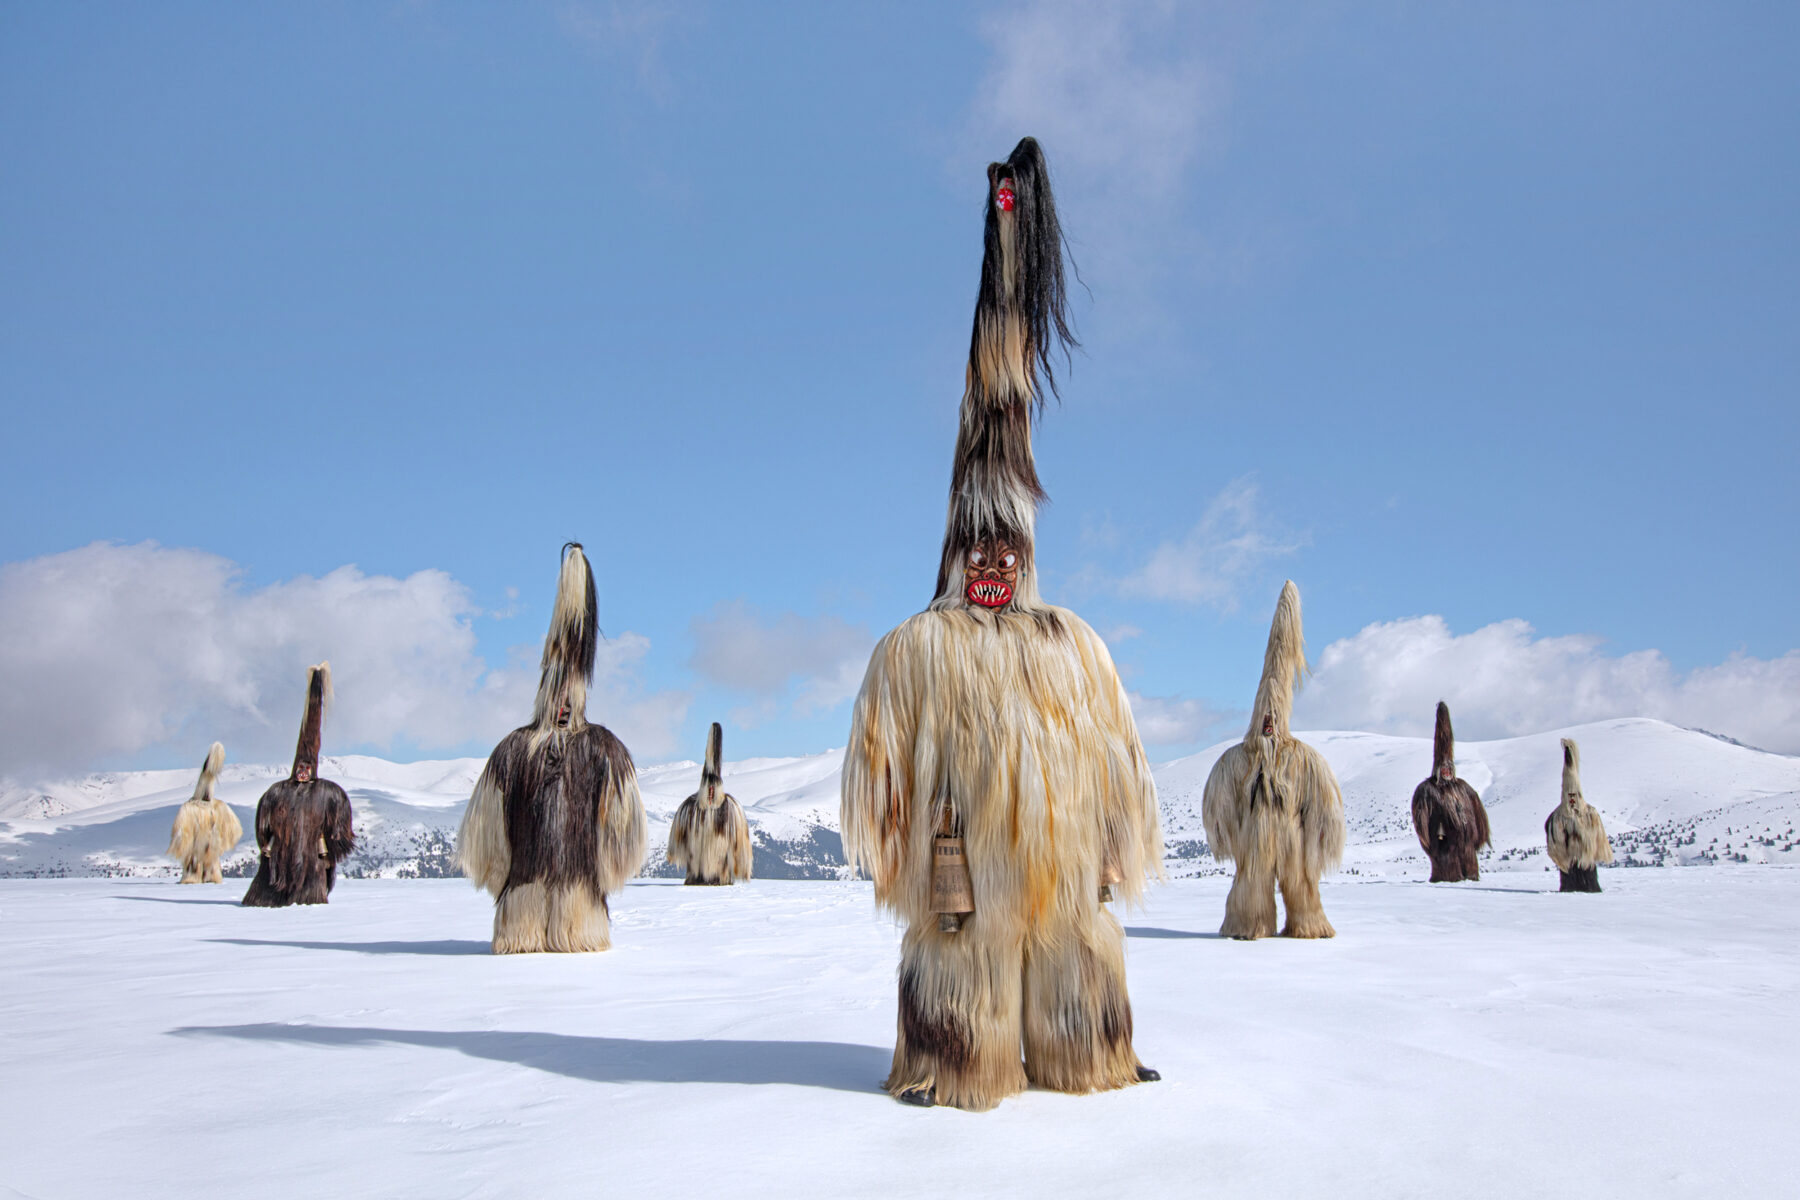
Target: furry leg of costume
[[992, 734], [1447, 813], [709, 837], [1077, 1012], [205, 827], [1272, 805], [303, 823], [555, 823], [1574, 833]]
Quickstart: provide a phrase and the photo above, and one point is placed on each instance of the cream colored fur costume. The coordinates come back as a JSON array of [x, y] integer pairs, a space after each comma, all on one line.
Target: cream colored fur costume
[[205, 827], [1573, 832], [555, 823], [709, 838], [1272, 804], [1014, 720]]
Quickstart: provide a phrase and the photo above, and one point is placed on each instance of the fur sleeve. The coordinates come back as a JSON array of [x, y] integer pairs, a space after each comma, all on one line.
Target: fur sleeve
[[1556, 841], [624, 836], [1602, 844], [181, 837], [481, 847], [1226, 785], [265, 822], [1131, 830], [877, 805], [230, 828], [679, 850], [1321, 811], [340, 831], [742, 853], [1421, 814], [1483, 835]]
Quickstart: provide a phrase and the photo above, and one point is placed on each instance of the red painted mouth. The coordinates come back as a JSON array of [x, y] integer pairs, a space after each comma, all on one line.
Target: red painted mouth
[[990, 593]]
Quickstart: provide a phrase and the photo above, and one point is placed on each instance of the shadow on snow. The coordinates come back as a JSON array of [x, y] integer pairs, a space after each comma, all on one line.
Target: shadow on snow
[[445, 946], [839, 1065], [1150, 931], [172, 900]]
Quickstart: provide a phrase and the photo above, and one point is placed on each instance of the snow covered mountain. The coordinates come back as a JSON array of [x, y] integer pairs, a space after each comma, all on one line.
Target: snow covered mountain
[[1669, 796]]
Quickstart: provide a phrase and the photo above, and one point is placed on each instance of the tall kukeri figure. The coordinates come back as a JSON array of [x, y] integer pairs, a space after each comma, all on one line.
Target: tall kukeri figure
[[302, 823], [1447, 813], [555, 822], [1272, 805], [992, 736], [1574, 832], [205, 827], [710, 838]]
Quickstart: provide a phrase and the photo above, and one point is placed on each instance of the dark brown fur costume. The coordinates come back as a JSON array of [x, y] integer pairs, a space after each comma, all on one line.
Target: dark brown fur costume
[[303, 826], [1447, 813]]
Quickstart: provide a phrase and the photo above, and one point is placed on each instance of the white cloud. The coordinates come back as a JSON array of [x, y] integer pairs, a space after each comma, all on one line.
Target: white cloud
[[1501, 681], [820, 659], [1172, 721], [1226, 550], [109, 651], [1123, 102], [1104, 85]]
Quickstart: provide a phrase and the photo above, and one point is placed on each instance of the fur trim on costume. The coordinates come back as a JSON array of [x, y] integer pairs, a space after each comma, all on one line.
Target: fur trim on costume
[[1272, 805], [1573, 832], [710, 837], [1447, 813], [206, 829], [555, 822]]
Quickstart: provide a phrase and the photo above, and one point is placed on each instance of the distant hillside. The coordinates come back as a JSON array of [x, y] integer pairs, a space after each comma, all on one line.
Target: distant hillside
[[1670, 796]]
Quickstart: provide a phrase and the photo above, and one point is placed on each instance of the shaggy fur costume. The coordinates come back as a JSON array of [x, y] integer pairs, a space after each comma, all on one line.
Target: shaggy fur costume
[[1574, 832], [555, 822], [205, 827], [1005, 717], [1272, 804], [1447, 813], [302, 823], [710, 838]]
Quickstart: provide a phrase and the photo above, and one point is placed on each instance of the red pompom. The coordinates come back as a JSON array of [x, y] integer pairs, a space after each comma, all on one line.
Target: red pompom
[[1004, 196]]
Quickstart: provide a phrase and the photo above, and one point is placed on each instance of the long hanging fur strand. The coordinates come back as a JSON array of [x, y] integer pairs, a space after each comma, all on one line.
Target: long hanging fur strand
[[1272, 804], [206, 829], [1447, 813]]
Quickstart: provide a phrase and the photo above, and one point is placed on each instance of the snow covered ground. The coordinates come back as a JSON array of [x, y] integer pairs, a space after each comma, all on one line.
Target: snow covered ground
[[1492, 1039], [1669, 796]]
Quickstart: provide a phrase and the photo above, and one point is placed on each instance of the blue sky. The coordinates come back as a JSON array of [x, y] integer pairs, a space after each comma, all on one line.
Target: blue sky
[[1477, 321]]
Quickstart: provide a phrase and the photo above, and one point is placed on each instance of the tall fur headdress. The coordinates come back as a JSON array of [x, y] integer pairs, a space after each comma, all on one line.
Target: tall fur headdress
[[209, 771], [1284, 666], [712, 783], [1571, 775], [1021, 324], [568, 663], [312, 724], [1443, 744]]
